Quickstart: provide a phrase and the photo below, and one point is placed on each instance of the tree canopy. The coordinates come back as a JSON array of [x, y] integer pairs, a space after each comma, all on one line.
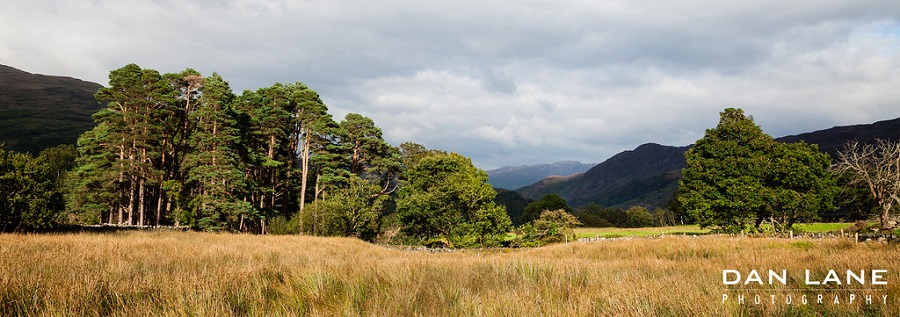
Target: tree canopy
[[448, 199], [737, 174], [31, 198], [548, 202], [184, 149]]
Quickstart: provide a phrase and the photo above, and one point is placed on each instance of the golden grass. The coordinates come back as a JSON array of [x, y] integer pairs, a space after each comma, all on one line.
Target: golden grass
[[204, 274]]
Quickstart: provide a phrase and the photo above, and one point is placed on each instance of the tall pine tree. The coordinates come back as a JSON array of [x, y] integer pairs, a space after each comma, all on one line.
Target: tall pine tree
[[212, 167]]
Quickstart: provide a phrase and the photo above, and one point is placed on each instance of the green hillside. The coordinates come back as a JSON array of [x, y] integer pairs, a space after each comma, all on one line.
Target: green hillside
[[38, 111]]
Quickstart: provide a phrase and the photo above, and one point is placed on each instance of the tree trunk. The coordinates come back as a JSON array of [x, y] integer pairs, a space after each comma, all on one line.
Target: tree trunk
[[262, 223], [159, 206], [131, 201], [304, 175], [141, 203]]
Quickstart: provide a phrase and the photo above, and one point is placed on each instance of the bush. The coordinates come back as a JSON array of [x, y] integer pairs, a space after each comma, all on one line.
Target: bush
[[551, 227], [639, 217], [283, 225], [30, 198]]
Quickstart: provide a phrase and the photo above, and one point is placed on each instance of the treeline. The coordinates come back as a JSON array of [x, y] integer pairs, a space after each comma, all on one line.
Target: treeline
[[33, 188], [183, 149], [523, 211], [594, 215]]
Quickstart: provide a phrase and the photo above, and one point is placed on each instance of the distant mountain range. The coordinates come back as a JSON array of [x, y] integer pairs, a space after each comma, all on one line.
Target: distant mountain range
[[649, 174], [512, 177], [38, 111]]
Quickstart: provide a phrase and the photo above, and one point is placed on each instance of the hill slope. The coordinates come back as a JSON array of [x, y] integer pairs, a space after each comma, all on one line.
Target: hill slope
[[512, 177], [38, 111], [649, 174], [646, 175], [833, 140]]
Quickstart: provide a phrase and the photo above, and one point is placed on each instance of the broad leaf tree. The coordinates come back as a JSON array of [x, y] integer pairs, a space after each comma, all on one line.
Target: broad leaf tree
[[547, 203], [723, 184], [448, 199], [354, 210], [737, 174], [800, 182], [30, 198]]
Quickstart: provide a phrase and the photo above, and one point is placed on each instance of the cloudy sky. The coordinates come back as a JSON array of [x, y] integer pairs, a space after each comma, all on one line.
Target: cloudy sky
[[503, 82]]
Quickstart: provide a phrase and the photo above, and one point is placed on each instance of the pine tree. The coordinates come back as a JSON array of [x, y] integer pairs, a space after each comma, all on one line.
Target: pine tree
[[93, 196], [311, 126], [212, 166], [369, 155], [134, 100]]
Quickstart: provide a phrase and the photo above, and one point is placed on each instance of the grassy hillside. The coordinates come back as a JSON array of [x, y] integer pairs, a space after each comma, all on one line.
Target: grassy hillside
[[189, 273], [38, 111]]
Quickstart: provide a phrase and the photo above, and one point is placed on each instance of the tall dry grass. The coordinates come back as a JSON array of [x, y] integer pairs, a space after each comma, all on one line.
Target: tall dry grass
[[204, 274]]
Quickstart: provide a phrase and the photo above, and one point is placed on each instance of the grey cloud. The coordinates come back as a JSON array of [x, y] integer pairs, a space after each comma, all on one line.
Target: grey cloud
[[505, 82]]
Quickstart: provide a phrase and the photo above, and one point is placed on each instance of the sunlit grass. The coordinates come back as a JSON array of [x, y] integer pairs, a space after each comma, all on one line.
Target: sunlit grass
[[204, 274]]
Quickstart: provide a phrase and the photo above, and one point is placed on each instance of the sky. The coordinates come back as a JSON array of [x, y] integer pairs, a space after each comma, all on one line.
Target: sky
[[502, 82]]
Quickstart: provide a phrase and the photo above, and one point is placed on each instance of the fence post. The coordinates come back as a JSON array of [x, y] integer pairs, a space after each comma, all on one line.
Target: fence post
[[857, 237]]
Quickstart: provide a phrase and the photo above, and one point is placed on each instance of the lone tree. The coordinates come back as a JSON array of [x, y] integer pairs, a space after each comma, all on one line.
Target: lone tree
[[736, 174], [877, 167], [722, 185]]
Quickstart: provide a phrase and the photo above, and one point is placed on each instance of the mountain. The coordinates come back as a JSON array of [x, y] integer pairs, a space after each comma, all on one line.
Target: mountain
[[833, 140], [512, 177], [38, 111], [649, 174]]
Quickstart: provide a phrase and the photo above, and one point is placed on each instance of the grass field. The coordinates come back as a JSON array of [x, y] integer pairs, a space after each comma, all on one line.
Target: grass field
[[205, 274], [637, 232]]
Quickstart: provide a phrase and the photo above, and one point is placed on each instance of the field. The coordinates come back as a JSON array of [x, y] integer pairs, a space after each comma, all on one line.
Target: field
[[205, 274], [638, 232], [693, 230]]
